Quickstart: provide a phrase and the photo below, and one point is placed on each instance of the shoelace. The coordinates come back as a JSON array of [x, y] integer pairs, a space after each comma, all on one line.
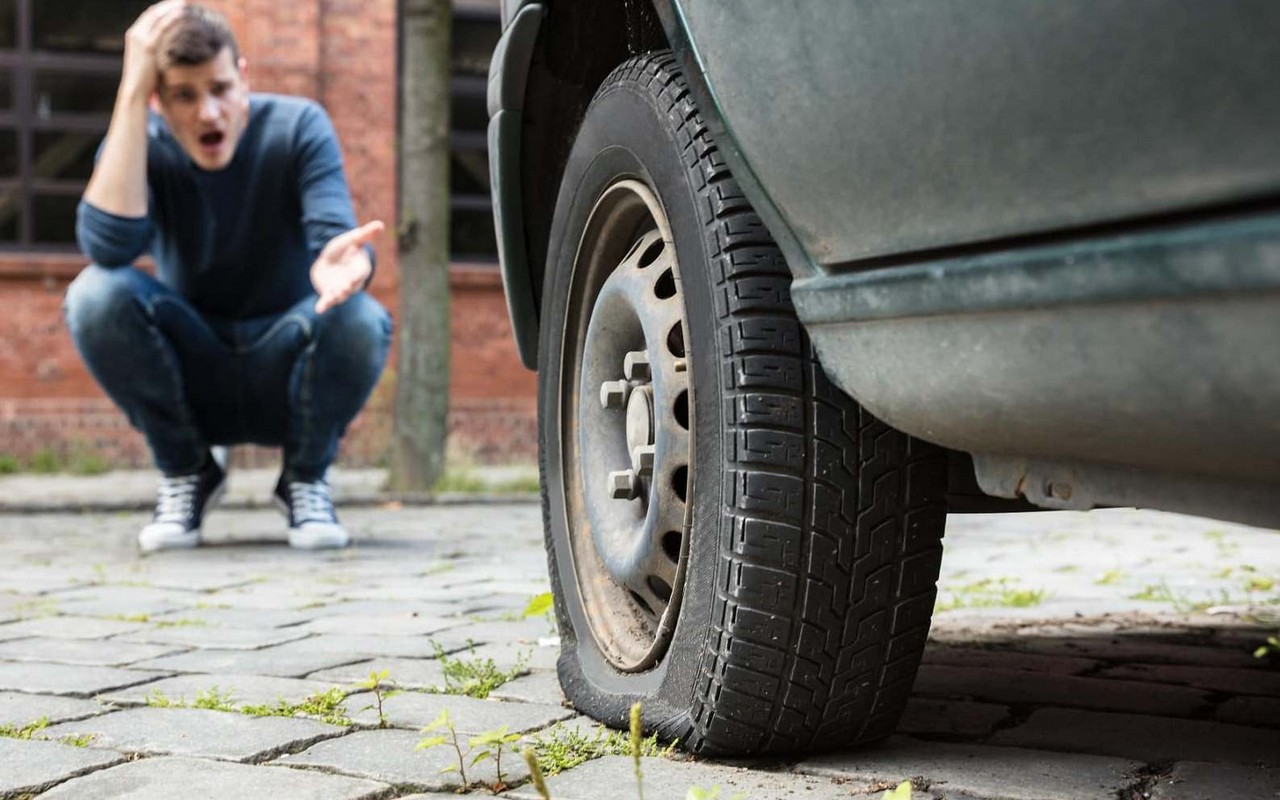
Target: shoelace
[[310, 502], [177, 499]]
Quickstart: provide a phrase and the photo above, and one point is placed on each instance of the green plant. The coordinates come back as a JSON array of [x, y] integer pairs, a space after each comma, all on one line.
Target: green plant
[[377, 683], [475, 677], [212, 700], [561, 748], [1271, 645], [698, 793], [28, 731], [445, 722], [459, 480], [637, 747], [491, 744], [539, 605], [1110, 577], [9, 464], [181, 622], [157, 699], [535, 773], [83, 740], [900, 792], [328, 706], [992, 593]]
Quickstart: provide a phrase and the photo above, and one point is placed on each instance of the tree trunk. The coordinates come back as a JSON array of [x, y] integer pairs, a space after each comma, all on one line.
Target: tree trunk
[[422, 384]]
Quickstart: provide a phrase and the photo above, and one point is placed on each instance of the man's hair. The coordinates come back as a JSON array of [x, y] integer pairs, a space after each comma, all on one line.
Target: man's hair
[[198, 38]]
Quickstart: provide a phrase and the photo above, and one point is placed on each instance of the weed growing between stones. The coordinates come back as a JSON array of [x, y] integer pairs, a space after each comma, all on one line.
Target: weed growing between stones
[[208, 699], [992, 593], [377, 683], [328, 706], [561, 748], [475, 677], [486, 745], [1269, 647], [29, 731]]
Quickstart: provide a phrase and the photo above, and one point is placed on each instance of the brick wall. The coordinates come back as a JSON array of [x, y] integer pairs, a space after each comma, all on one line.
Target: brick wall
[[342, 53]]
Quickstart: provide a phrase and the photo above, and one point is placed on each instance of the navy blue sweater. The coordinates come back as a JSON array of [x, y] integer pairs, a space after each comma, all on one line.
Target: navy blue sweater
[[238, 242]]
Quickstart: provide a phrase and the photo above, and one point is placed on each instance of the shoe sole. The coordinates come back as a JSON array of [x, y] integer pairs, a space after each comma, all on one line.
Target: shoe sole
[[190, 539]]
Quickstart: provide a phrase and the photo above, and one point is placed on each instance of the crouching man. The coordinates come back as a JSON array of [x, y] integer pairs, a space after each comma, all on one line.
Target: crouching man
[[256, 328]]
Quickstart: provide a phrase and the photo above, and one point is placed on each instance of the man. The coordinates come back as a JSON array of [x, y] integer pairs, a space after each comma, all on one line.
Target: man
[[255, 327]]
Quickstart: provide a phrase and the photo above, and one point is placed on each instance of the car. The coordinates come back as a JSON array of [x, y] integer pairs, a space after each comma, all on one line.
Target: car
[[800, 279]]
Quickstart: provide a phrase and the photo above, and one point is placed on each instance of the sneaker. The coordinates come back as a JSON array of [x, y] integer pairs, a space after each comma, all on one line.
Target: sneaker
[[313, 524], [180, 508]]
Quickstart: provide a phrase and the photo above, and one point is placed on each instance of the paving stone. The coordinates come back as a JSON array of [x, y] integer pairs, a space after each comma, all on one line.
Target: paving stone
[[387, 646], [19, 709], [526, 631], [68, 680], [1006, 659], [285, 661], [209, 636], [165, 778], [1260, 711], [1123, 649], [542, 686], [92, 653], [950, 717], [244, 690], [1261, 682], [236, 617], [1017, 686], [273, 596], [470, 716], [613, 777], [1189, 780], [992, 773], [32, 765], [123, 601], [30, 582], [509, 656], [382, 624], [192, 580], [63, 627], [197, 732], [407, 673], [389, 756], [408, 608], [1146, 738]]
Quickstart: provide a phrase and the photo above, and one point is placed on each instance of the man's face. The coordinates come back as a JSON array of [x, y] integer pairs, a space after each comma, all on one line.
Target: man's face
[[206, 107]]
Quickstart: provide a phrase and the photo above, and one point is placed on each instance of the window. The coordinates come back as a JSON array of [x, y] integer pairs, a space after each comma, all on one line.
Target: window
[[476, 29], [59, 67]]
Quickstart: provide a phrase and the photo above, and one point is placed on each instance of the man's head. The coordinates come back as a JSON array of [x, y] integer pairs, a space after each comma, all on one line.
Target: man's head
[[203, 91]]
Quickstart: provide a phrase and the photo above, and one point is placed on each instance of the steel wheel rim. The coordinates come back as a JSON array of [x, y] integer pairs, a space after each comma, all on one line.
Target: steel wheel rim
[[626, 428]]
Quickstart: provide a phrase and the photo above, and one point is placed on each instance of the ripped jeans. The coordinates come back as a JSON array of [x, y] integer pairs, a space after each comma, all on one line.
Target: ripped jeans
[[187, 381]]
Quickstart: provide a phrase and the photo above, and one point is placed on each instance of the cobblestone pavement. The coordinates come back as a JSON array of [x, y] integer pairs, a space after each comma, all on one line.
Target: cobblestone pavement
[[1074, 656]]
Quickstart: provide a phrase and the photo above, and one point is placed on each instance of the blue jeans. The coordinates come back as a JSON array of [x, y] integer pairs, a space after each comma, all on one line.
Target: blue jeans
[[188, 381]]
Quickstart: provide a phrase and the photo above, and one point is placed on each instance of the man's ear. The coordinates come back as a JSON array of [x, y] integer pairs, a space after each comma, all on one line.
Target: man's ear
[[154, 103], [243, 64]]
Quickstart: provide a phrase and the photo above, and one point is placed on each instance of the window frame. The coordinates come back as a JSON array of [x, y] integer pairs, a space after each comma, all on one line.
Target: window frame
[[23, 64]]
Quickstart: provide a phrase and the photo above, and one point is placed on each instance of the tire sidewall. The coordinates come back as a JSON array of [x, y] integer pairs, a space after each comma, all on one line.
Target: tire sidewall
[[626, 134]]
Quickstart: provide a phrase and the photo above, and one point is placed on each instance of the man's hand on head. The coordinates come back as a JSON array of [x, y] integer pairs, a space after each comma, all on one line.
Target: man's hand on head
[[142, 47], [343, 265]]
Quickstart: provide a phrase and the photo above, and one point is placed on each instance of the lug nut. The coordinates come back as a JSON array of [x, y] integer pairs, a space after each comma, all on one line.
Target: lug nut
[[635, 365], [681, 365], [613, 394], [623, 485], [642, 458]]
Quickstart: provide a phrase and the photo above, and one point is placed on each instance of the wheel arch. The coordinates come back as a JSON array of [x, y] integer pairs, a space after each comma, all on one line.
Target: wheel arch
[[577, 45]]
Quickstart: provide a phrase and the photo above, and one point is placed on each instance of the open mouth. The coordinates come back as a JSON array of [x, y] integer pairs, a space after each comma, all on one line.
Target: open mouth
[[212, 139]]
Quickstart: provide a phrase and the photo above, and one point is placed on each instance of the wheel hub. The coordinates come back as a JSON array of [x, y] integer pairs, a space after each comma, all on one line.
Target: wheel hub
[[630, 431]]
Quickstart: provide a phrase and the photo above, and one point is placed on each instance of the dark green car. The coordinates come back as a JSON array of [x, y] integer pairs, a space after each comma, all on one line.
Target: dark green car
[[800, 278]]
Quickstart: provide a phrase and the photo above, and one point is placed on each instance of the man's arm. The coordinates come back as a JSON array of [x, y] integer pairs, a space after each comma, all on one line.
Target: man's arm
[[119, 182], [112, 225], [342, 260]]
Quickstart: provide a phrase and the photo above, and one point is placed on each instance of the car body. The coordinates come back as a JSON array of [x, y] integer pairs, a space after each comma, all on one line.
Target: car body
[[1042, 237]]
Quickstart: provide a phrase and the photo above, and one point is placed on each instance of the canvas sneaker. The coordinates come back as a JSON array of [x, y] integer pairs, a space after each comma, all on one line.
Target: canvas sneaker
[[181, 504], [313, 524]]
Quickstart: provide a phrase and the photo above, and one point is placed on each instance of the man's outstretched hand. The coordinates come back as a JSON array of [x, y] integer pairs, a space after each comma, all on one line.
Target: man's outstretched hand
[[343, 265]]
